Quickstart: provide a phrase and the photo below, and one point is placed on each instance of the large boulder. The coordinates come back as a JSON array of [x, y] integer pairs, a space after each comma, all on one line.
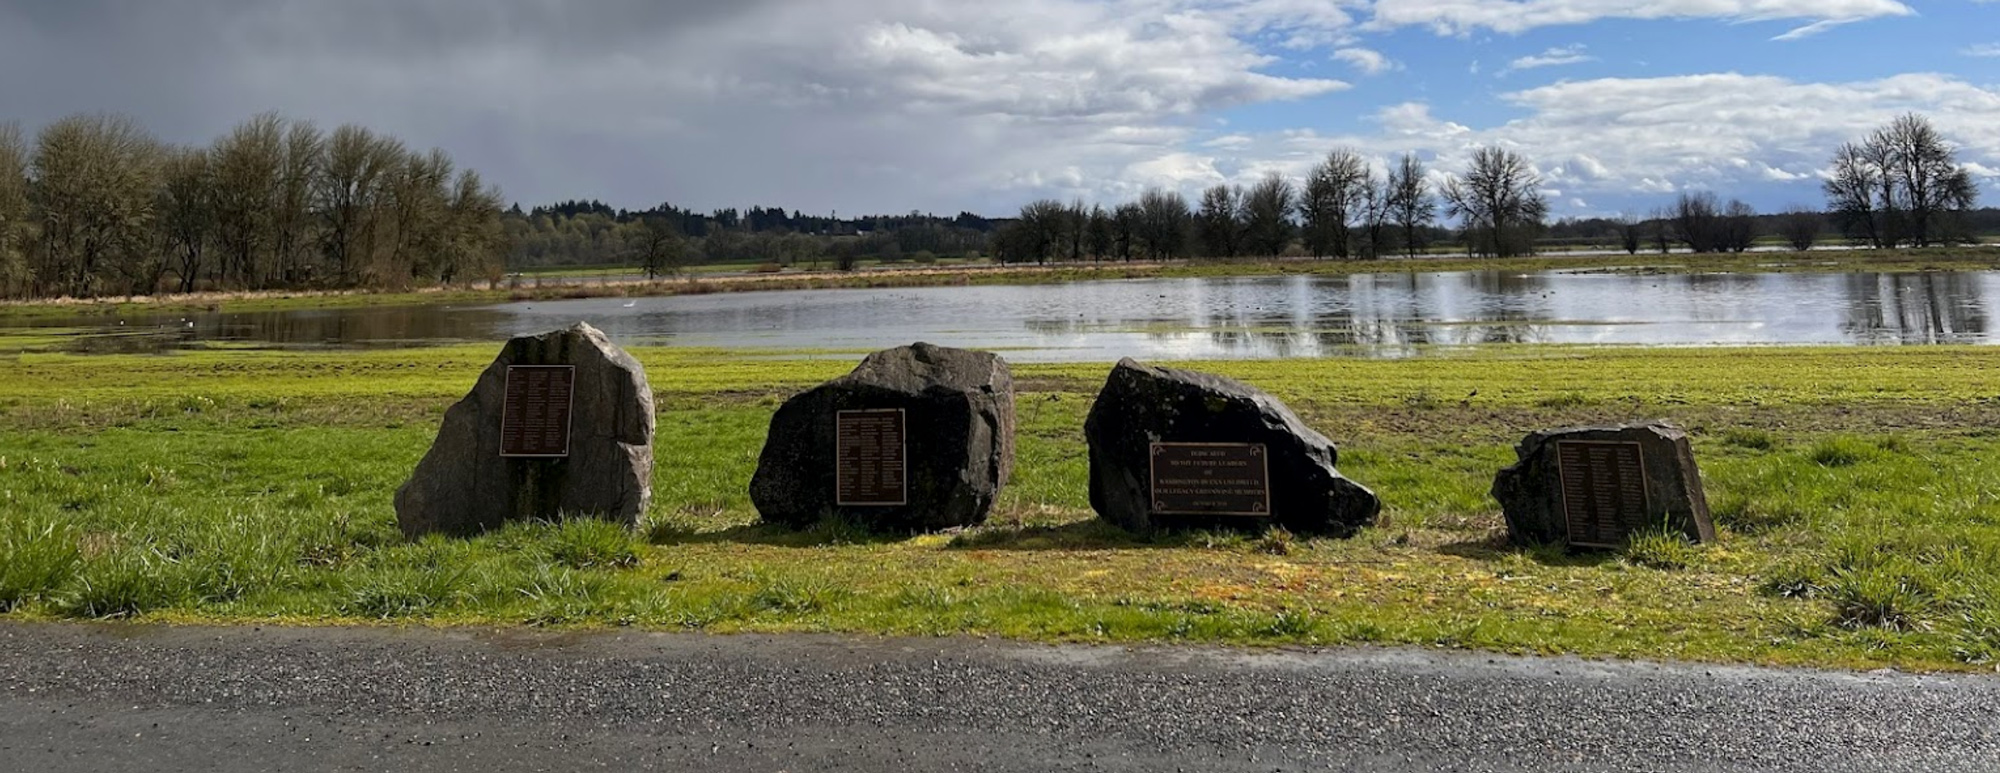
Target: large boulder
[[956, 443], [1222, 432], [464, 485], [1595, 486]]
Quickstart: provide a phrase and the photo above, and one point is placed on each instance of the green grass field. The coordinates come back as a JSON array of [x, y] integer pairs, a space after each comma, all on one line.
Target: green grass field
[[1857, 491]]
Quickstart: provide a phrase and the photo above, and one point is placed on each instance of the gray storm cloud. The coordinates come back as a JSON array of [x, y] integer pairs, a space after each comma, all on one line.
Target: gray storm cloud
[[892, 105]]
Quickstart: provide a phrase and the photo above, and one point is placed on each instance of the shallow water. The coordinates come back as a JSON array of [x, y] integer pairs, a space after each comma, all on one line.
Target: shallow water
[[1164, 319]]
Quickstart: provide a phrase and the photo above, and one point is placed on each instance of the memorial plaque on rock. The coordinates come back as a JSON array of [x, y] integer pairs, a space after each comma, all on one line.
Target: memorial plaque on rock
[[1174, 450], [870, 458], [535, 412], [1596, 487], [1603, 490], [559, 426], [917, 438], [1211, 479]]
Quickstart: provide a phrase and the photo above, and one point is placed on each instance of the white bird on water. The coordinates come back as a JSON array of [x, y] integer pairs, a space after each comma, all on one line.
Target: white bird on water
[[630, 304]]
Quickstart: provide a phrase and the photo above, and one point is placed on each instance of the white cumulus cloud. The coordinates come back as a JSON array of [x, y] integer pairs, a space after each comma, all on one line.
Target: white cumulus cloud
[[1554, 57], [1459, 17], [1368, 61]]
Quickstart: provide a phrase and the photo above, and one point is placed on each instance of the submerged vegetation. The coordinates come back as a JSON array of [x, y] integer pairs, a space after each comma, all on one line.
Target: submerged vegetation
[[1857, 492]]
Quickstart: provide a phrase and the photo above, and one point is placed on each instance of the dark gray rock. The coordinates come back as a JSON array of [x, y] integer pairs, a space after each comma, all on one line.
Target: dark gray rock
[[463, 486], [959, 432], [1141, 405], [1531, 491]]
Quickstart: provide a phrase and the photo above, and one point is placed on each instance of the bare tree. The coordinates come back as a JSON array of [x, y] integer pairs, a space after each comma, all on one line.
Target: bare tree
[[1334, 196], [1499, 199], [1076, 226], [1410, 201], [1164, 220], [473, 233], [1219, 222], [1661, 232], [1697, 222], [16, 222], [1926, 176], [1800, 226], [348, 196], [1739, 226], [247, 162], [95, 179], [291, 207], [1851, 189], [1267, 215], [187, 211], [1042, 223], [1903, 184], [1099, 233], [419, 193], [1125, 225], [662, 250], [1631, 233], [1375, 218]]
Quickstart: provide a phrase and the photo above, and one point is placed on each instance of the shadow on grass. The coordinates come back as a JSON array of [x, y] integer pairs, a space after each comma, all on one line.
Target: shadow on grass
[[1495, 546], [824, 534], [1089, 534]]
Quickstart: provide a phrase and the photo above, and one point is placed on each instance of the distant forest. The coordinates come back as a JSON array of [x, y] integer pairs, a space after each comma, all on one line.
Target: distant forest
[[94, 205], [582, 233], [667, 238]]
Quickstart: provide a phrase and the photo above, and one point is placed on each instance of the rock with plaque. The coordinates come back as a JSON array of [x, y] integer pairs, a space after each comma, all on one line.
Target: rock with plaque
[[1176, 449], [917, 438], [1594, 487], [560, 425]]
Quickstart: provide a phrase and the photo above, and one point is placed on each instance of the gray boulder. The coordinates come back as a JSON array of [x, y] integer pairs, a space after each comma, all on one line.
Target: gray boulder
[[1622, 480], [1142, 405], [463, 486], [958, 435]]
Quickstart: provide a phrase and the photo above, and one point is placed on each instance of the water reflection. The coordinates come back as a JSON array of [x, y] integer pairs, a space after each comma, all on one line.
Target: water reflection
[[1263, 317]]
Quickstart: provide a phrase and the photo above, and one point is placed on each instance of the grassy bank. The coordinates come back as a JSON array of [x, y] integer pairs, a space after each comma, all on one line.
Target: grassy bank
[[1858, 492], [702, 282]]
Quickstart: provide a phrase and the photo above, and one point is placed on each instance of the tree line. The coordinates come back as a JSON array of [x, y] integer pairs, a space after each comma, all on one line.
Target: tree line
[[1900, 186], [665, 239], [1344, 209], [95, 205]]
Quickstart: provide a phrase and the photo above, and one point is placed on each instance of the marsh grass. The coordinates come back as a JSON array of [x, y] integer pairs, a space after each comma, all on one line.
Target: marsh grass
[[1857, 490]]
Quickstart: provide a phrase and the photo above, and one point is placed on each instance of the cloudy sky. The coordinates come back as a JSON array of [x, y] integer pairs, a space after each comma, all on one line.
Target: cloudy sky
[[943, 105]]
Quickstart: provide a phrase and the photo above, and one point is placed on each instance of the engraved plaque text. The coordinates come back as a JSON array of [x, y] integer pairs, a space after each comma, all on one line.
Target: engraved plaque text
[[1211, 479], [534, 417], [870, 458], [1603, 491]]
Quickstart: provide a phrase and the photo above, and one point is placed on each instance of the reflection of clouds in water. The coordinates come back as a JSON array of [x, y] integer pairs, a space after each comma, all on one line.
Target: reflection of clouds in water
[[1287, 316]]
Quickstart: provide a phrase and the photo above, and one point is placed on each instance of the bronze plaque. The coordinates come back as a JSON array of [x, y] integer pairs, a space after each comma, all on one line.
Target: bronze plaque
[[870, 460], [1603, 490], [1211, 479], [534, 418]]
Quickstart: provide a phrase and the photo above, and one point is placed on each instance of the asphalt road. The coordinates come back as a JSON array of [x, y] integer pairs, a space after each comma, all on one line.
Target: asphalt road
[[117, 698]]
